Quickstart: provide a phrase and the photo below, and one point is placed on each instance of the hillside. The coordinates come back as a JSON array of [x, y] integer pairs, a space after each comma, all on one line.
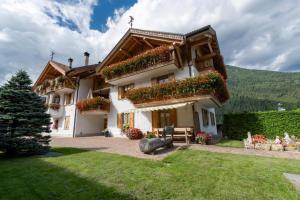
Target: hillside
[[259, 90]]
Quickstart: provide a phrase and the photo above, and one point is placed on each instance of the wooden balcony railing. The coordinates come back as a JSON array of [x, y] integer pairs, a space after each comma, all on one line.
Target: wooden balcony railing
[[147, 59], [209, 83], [96, 103], [53, 85]]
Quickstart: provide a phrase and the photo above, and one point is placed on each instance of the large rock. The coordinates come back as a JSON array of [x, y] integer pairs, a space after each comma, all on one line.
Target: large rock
[[150, 145]]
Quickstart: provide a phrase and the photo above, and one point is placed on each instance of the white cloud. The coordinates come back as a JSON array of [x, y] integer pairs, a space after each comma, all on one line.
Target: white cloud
[[253, 34]]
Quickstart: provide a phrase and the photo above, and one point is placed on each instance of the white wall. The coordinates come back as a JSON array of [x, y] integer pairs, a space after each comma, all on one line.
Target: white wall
[[210, 128], [185, 117]]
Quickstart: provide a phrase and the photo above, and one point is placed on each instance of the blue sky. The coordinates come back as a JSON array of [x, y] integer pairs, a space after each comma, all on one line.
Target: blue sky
[[105, 9]]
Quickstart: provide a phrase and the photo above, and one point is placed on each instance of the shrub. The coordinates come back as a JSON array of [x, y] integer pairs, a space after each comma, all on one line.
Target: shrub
[[269, 124], [203, 138], [139, 62], [134, 134], [209, 83]]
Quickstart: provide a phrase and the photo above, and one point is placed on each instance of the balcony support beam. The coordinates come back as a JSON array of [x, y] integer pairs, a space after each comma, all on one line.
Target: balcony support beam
[[178, 54], [126, 53], [148, 43]]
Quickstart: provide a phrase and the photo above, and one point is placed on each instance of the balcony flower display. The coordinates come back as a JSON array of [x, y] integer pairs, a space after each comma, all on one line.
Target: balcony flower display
[[209, 83], [54, 106], [134, 134], [144, 60], [93, 104]]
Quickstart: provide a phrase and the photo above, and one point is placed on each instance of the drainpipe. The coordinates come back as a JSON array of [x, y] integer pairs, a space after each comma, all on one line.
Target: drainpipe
[[75, 98], [190, 74]]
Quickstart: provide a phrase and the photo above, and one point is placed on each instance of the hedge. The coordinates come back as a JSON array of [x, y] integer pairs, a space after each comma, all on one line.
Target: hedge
[[270, 124]]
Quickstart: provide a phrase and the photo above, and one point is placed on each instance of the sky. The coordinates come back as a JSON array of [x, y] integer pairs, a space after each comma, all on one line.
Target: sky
[[252, 34]]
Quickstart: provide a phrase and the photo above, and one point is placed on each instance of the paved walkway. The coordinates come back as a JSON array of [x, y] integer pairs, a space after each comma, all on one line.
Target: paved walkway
[[128, 147], [121, 146]]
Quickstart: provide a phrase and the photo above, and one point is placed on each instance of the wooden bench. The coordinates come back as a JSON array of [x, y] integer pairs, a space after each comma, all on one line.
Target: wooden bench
[[186, 133]]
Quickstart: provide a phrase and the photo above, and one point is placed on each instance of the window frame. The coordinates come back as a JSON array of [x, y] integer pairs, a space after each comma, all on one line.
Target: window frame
[[205, 117]]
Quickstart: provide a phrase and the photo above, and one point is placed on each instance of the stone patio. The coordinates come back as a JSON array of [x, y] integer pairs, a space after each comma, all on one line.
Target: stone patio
[[124, 146]]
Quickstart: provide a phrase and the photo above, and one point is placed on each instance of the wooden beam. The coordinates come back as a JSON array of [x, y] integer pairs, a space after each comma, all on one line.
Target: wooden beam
[[137, 41], [148, 43], [178, 53], [125, 52], [210, 48]]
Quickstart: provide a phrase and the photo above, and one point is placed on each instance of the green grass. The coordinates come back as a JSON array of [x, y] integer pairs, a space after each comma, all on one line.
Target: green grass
[[231, 143], [186, 174]]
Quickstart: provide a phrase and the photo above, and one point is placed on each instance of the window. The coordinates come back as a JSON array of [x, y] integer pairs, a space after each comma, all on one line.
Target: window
[[125, 119], [55, 124], [123, 89], [212, 119], [67, 122], [205, 117], [68, 99], [165, 118], [56, 99], [163, 79]]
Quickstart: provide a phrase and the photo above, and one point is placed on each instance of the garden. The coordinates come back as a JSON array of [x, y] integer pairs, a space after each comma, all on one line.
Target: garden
[[186, 174]]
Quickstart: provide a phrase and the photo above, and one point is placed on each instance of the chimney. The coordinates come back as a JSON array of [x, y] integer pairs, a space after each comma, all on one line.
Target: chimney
[[86, 54], [70, 60]]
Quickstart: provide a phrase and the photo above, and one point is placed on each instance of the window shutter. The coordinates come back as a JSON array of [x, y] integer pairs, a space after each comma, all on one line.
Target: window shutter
[[173, 114], [171, 77], [131, 86], [119, 120], [153, 81], [155, 119], [120, 92], [131, 120]]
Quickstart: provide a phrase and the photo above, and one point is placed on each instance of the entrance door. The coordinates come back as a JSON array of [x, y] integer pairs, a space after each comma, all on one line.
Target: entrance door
[[163, 118]]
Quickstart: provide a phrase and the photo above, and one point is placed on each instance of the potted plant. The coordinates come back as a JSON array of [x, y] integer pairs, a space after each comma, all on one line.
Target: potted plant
[[203, 138], [134, 134]]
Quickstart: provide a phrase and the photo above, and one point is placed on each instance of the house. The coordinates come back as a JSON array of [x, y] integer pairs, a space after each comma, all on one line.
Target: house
[[149, 80]]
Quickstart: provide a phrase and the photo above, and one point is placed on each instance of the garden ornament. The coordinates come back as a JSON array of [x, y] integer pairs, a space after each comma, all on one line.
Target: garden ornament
[[249, 138], [287, 138], [277, 140]]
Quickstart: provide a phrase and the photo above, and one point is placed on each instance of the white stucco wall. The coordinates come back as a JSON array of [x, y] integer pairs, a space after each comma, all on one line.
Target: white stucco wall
[[210, 128]]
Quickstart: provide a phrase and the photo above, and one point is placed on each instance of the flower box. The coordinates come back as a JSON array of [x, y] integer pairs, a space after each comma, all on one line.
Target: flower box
[[97, 103], [210, 83], [290, 148], [262, 146], [139, 62], [277, 147]]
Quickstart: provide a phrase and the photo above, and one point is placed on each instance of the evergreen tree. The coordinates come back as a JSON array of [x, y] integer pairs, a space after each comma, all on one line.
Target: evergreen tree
[[22, 117]]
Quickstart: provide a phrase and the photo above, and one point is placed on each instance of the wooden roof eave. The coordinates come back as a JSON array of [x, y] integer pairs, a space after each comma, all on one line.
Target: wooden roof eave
[[174, 38], [44, 72]]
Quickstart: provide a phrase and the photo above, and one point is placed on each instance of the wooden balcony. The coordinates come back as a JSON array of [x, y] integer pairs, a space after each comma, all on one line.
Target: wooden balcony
[[163, 63], [94, 106], [209, 88], [62, 86]]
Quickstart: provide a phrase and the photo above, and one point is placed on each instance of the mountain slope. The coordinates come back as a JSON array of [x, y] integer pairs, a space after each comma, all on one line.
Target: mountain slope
[[259, 90]]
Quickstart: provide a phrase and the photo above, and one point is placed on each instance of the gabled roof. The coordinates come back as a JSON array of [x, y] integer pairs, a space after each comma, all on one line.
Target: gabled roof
[[144, 37], [59, 67]]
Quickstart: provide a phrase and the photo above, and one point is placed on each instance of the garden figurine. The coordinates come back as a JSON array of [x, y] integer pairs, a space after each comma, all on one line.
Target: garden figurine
[[287, 138], [249, 138], [277, 140]]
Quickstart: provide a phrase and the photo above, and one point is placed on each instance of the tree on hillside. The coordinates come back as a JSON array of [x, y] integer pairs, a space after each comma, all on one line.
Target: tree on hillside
[[22, 118]]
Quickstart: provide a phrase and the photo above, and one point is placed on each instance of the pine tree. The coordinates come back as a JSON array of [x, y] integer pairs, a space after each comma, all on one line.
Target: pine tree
[[22, 118]]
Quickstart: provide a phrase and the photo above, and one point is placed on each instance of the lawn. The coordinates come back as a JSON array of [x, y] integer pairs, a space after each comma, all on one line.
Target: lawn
[[186, 174], [231, 143]]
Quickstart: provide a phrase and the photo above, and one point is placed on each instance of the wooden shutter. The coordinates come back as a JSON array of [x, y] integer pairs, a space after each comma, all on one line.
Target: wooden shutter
[[173, 114], [119, 120], [131, 120], [153, 81], [155, 121], [120, 92], [131, 86], [171, 77]]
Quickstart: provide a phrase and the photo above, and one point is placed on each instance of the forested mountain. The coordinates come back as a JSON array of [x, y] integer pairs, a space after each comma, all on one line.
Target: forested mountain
[[259, 90]]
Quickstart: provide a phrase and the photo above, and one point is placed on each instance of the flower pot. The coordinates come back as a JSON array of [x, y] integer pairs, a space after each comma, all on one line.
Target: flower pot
[[298, 146], [276, 147], [263, 146], [290, 148]]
